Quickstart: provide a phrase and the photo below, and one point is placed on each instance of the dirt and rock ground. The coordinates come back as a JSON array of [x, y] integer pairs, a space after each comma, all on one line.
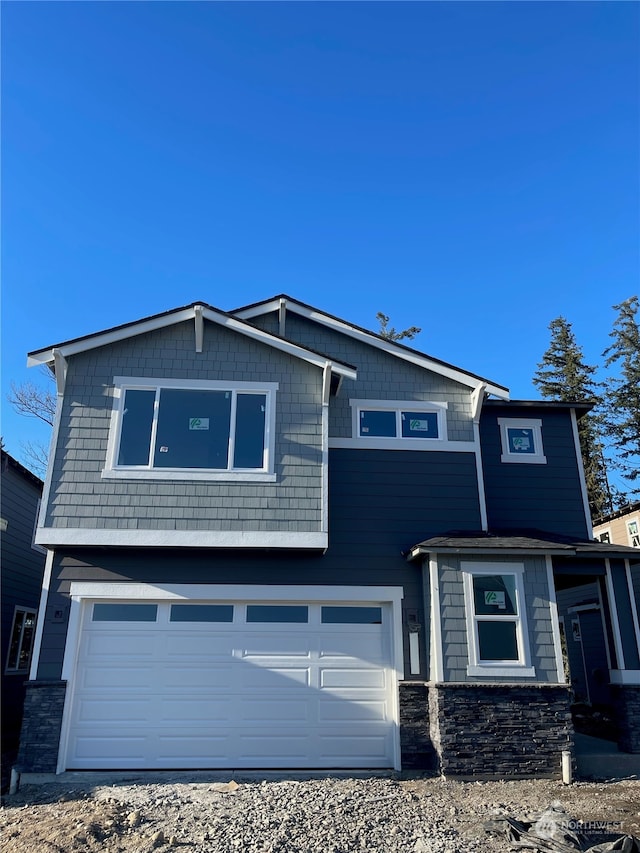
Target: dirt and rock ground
[[197, 813]]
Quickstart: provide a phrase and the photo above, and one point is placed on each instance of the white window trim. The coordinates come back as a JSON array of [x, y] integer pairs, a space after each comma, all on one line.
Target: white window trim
[[628, 523], [20, 608], [398, 442], [121, 383], [34, 545], [605, 531], [537, 458], [508, 668]]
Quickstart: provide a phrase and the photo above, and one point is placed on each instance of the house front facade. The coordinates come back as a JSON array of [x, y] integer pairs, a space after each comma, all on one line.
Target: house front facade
[[277, 540]]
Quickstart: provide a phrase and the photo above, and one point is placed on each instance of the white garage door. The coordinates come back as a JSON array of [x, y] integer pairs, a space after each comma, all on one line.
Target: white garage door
[[233, 684]]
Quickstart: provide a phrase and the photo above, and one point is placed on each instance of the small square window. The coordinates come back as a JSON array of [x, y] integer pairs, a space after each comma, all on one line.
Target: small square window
[[521, 440]]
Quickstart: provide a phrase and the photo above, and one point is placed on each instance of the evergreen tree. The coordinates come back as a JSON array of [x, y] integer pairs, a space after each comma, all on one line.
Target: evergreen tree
[[390, 333], [622, 395], [563, 375]]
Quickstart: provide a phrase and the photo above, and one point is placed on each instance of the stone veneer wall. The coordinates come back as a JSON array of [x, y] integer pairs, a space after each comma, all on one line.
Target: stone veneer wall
[[41, 723], [415, 737], [495, 730], [626, 703]]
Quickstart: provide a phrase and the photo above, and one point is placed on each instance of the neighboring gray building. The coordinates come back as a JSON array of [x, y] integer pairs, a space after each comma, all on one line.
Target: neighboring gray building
[[280, 540], [21, 570]]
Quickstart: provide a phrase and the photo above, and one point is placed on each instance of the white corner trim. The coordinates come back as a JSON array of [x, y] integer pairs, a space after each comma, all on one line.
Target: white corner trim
[[199, 327], [555, 622], [613, 612], [437, 657], [632, 599], [46, 491], [324, 524], [581, 475], [50, 536], [42, 610], [482, 497], [69, 664]]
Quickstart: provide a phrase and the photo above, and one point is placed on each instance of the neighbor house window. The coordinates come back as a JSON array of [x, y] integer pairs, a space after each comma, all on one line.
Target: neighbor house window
[[605, 537], [206, 428], [496, 619], [521, 440], [392, 419], [23, 632], [633, 532]]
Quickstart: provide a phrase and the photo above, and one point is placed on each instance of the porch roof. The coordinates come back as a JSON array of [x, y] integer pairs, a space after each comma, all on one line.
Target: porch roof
[[522, 541]]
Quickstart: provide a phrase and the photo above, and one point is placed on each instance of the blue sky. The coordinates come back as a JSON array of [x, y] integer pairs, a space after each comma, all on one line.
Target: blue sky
[[470, 168]]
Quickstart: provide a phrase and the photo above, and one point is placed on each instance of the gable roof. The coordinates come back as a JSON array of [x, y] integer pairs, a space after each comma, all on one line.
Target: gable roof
[[427, 362], [196, 311]]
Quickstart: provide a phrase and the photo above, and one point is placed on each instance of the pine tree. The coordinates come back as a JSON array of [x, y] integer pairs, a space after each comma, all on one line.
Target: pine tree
[[563, 375], [622, 395], [390, 333]]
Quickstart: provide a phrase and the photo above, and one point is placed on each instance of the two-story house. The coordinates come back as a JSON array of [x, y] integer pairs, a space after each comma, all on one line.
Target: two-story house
[[280, 540]]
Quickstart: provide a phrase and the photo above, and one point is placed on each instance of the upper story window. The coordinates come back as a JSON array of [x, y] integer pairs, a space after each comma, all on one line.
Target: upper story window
[[399, 420], [604, 536], [192, 430], [633, 532], [521, 440], [496, 619]]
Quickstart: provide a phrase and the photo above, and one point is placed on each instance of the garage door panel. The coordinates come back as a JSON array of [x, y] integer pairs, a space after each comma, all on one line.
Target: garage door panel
[[352, 677], [105, 709], [274, 710], [193, 708], [266, 678], [196, 645], [107, 644], [175, 676], [122, 677], [172, 694], [342, 709]]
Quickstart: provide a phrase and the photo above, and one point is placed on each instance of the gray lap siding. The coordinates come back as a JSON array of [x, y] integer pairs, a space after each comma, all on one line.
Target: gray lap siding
[[82, 498], [455, 651]]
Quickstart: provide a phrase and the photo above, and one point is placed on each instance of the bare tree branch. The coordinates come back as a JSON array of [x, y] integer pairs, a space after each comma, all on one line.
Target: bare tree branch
[[34, 401], [35, 457]]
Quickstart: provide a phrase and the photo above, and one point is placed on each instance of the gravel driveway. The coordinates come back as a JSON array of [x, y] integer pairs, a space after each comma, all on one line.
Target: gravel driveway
[[198, 814]]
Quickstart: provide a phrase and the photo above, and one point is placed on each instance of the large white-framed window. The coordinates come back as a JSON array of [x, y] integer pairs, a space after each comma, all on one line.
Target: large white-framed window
[[192, 429], [399, 421], [23, 629], [633, 532], [522, 440], [496, 617]]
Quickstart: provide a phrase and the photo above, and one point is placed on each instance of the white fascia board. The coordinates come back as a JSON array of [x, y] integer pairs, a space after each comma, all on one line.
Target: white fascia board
[[375, 341], [624, 676], [56, 536], [100, 339]]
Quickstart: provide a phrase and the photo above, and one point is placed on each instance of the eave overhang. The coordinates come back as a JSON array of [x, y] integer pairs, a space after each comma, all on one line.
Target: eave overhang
[[194, 312], [397, 350]]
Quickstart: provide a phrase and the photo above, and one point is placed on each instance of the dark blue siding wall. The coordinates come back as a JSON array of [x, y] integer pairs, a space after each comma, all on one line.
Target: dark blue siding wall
[[547, 497], [22, 570], [381, 503]]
